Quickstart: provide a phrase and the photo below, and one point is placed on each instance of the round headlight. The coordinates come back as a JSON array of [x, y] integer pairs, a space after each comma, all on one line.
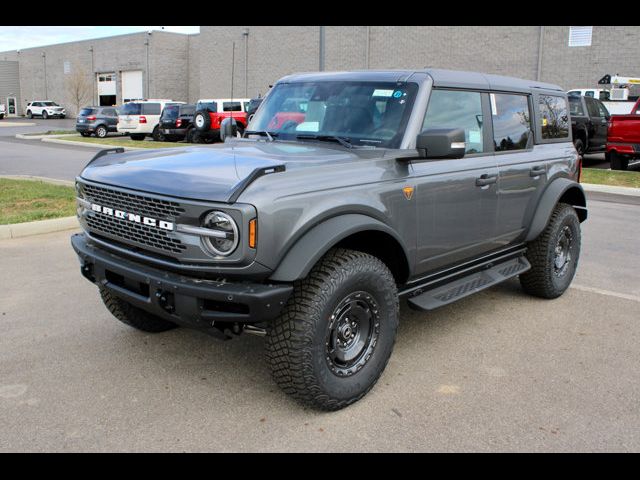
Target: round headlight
[[226, 239]]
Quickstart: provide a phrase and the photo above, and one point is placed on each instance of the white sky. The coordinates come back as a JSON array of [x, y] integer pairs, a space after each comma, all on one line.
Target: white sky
[[14, 38]]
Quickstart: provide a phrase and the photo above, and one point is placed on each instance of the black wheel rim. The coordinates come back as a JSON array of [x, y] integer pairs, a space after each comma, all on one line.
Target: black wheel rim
[[562, 257], [354, 327]]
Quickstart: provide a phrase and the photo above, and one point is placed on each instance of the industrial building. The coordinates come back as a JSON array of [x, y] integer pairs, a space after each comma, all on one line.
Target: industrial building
[[242, 61]]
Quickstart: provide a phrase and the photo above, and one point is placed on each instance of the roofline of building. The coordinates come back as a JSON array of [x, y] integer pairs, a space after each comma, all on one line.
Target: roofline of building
[[97, 39]]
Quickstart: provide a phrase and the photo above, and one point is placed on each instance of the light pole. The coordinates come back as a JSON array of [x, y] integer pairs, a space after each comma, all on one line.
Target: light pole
[[146, 42], [44, 62], [93, 77]]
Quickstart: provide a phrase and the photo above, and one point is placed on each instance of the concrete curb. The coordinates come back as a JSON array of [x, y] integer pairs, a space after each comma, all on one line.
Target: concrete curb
[[90, 145], [23, 136], [54, 181], [592, 187], [27, 229], [17, 124]]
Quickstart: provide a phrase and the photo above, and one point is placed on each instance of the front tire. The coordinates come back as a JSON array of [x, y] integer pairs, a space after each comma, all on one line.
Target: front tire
[[334, 337], [553, 255], [133, 316], [29, 114], [45, 115]]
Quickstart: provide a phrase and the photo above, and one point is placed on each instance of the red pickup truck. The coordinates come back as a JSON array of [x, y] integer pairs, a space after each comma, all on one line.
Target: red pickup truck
[[623, 139]]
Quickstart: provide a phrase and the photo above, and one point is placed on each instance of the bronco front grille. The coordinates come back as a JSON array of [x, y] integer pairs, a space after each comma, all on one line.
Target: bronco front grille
[[125, 230], [151, 207]]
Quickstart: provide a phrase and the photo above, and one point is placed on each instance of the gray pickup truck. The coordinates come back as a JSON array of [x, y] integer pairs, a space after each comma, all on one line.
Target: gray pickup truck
[[426, 185]]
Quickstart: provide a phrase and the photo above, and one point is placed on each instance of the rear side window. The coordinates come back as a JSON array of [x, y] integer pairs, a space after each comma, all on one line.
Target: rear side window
[[110, 112], [130, 109], [457, 109], [575, 106], [151, 109], [589, 93], [231, 107], [511, 121], [86, 111], [208, 106], [554, 117], [187, 110]]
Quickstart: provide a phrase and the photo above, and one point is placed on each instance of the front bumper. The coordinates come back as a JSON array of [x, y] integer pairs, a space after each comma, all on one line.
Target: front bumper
[[188, 301]]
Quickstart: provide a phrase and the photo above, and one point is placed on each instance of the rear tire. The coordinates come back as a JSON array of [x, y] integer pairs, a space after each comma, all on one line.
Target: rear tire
[[334, 337], [133, 316], [618, 162], [553, 255], [580, 146], [157, 135], [202, 121], [137, 136], [101, 131]]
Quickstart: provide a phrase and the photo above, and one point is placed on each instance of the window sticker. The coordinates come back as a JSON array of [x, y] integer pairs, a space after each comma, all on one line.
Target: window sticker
[[397, 94], [382, 93], [308, 127]]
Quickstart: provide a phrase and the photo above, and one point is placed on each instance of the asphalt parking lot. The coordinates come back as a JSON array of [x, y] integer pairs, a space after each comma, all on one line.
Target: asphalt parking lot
[[498, 371]]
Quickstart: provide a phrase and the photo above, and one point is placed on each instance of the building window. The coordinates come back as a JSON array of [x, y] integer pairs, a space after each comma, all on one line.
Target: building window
[[580, 36]]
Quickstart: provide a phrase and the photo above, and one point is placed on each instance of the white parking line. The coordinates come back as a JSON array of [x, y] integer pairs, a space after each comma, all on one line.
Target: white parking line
[[609, 293]]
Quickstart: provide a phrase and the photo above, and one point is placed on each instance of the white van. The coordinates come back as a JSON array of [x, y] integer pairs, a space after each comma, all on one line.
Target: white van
[[141, 118]]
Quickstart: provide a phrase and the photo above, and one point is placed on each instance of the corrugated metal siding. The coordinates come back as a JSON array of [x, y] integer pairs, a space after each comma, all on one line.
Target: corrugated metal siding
[[10, 82]]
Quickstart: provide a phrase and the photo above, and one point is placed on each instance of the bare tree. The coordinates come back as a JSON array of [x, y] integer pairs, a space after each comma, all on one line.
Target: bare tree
[[79, 88]]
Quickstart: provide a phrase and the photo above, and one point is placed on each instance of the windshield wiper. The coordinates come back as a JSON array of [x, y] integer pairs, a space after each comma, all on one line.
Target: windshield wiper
[[345, 142], [264, 133]]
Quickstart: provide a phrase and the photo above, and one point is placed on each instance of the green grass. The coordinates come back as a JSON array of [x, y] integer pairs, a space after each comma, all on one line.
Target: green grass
[[127, 142], [53, 132], [29, 200], [611, 177]]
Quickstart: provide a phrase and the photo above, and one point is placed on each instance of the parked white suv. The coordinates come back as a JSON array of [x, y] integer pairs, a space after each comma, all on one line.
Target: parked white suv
[[45, 109], [140, 118]]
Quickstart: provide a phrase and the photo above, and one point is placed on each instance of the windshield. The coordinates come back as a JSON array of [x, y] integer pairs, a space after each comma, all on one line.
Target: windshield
[[364, 113]]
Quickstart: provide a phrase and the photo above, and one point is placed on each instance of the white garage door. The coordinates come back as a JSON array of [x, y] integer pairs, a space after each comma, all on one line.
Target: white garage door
[[132, 85]]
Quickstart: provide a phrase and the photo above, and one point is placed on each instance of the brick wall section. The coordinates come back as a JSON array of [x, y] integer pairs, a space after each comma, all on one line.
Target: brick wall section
[[194, 68]]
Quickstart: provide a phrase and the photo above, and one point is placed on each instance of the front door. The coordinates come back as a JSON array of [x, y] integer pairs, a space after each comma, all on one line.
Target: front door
[[598, 117], [457, 200], [11, 107]]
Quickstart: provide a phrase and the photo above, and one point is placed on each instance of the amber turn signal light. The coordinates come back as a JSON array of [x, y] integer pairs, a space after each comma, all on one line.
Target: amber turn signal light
[[253, 232]]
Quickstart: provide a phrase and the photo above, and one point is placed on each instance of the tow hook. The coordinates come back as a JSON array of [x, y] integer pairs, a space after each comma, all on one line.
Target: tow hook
[[166, 300]]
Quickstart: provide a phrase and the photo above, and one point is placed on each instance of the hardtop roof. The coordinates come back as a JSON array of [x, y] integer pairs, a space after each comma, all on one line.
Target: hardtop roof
[[441, 78]]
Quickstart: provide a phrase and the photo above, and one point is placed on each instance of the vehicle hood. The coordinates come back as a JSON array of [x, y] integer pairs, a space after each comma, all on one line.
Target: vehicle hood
[[208, 173]]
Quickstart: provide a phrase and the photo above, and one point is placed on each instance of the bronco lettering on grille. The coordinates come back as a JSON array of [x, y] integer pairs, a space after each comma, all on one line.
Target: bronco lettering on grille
[[132, 217]]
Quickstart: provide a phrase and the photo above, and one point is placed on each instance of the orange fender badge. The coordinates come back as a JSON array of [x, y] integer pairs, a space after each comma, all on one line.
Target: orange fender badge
[[408, 192]]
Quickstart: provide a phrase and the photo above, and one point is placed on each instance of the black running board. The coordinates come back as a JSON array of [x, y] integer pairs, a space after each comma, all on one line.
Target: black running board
[[469, 284]]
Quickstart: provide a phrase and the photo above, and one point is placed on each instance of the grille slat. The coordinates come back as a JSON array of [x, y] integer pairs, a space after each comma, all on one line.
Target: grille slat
[[131, 232]]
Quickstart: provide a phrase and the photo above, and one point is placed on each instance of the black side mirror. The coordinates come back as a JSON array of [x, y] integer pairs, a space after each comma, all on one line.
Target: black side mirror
[[441, 143], [228, 128]]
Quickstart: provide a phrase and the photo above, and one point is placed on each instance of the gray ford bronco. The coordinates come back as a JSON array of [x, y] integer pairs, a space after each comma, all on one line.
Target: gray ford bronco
[[349, 191]]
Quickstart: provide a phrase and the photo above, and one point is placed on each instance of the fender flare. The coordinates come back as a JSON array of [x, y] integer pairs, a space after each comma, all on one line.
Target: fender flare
[[305, 253], [551, 196]]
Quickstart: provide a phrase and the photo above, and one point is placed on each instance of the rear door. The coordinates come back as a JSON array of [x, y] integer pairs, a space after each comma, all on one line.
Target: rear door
[[522, 170], [598, 117], [151, 112], [457, 199]]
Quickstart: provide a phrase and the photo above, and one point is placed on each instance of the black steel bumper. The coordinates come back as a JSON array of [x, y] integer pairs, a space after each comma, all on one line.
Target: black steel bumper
[[188, 301]]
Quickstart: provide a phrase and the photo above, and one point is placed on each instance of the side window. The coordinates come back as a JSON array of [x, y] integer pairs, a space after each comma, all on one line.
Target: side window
[[592, 108], [231, 107], [511, 121], [457, 109], [589, 93], [151, 109], [604, 95], [603, 112], [553, 116], [575, 106]]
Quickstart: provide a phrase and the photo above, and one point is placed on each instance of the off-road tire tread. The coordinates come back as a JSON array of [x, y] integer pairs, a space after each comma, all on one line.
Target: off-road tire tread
[[133, 316], [289, 336], [537, 280]]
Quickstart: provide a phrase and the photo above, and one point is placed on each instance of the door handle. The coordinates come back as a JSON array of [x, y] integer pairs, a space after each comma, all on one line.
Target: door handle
[[486, 179], [537, 171]]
